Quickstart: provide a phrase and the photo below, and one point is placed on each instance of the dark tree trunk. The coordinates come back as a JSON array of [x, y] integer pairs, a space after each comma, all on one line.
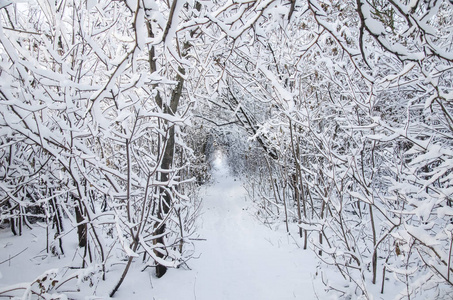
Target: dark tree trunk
[[166, 166], [81, 228]]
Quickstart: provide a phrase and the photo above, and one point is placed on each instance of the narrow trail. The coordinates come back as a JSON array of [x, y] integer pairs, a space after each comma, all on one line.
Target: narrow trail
[[236, 258], [241, 258]]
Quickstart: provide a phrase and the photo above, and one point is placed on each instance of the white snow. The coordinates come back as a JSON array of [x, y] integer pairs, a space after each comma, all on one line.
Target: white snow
[[236, 257]]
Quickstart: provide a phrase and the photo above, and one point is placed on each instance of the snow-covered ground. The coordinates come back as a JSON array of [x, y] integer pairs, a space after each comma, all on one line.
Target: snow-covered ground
[[237, 257], [241, 258]]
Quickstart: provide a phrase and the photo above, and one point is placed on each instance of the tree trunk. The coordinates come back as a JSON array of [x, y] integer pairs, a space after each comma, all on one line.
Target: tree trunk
[[81, 228], [166, 166]]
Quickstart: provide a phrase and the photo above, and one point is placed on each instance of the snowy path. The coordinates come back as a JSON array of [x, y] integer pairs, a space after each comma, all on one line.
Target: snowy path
[[241, 258], [238, 258]]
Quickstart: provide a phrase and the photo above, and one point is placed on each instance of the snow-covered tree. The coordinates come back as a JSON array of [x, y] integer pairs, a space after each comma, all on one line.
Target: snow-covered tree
[[348, 105], [356, 97], [93, 115]]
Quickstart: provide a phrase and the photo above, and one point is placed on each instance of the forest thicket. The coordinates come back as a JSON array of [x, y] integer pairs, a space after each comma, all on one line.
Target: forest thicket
[[338, 115]]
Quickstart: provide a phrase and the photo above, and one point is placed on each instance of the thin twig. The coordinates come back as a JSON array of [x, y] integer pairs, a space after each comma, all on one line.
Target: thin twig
[[13, 256]]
